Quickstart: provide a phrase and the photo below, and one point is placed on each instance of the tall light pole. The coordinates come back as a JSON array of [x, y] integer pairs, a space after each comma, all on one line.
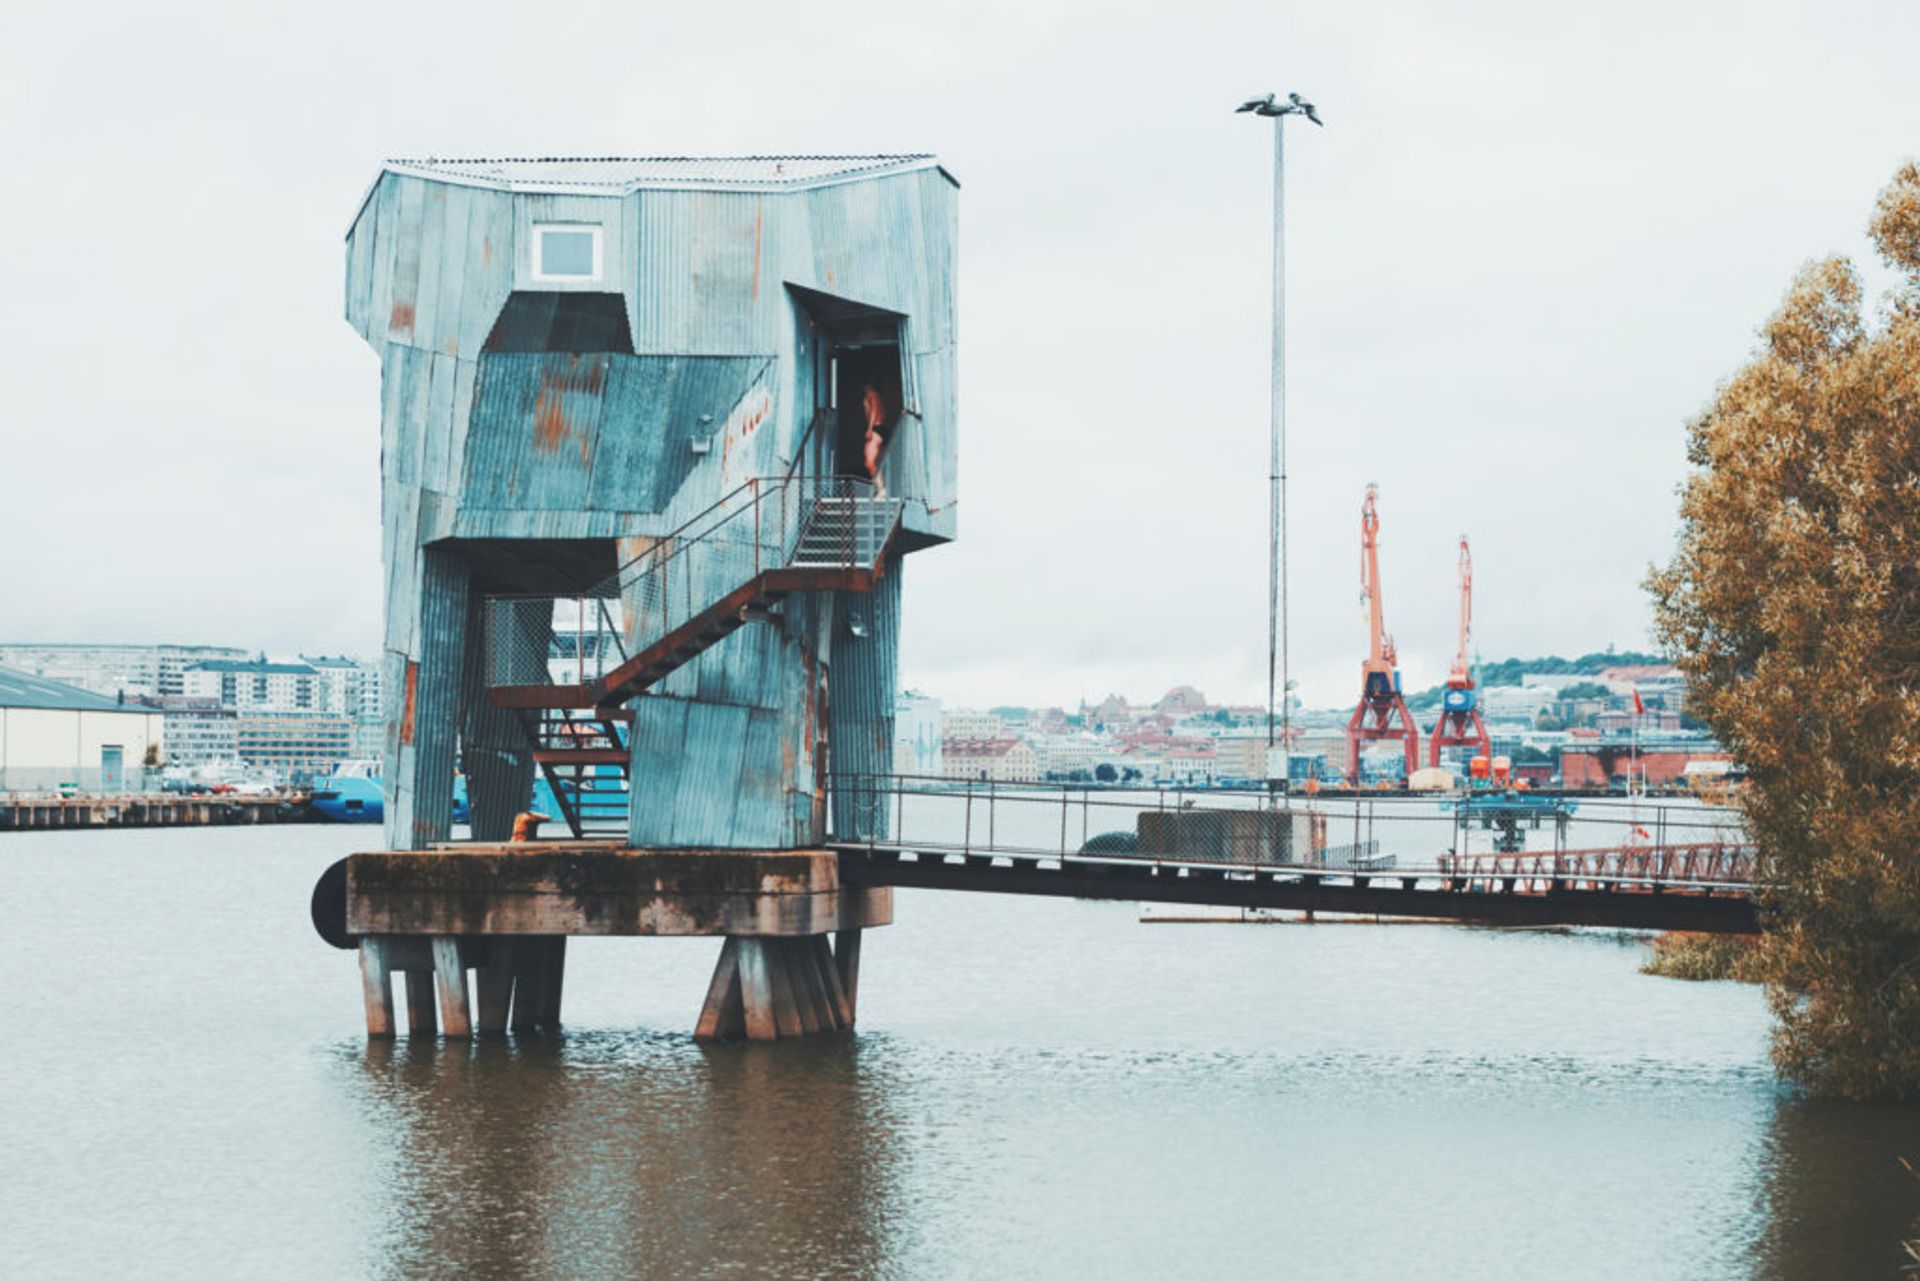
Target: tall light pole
[[1277, 655]]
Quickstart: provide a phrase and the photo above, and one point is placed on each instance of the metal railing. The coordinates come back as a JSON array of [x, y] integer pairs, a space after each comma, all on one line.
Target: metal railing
[[1703, 863], [1696, 846], [787, 522]]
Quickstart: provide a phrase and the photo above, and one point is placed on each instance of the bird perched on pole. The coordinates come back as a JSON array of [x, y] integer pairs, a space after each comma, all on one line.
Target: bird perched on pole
[[1294, 105]]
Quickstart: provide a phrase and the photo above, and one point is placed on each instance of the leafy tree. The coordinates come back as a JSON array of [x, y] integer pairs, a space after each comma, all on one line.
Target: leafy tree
[[1513, 671], [1584, 689], [1794, 605], [1105, 773]]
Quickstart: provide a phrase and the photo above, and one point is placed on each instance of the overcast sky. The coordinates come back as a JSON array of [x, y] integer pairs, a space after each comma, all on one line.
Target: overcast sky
[[1527, 245]]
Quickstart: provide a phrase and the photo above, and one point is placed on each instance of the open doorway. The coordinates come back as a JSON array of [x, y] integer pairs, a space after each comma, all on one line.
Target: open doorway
[[858, 370], [854, 346]]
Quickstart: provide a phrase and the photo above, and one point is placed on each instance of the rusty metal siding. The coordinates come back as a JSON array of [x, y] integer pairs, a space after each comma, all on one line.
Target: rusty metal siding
[[578, 434], [703, 282], [548, 445], [661, 406], [419, 774], [488, 271], [861, 690], [934, 513], [443, 334]]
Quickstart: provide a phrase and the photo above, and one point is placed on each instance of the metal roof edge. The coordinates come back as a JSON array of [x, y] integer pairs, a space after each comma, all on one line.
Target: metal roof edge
[[59, 696], [886, 165], [366, 198]]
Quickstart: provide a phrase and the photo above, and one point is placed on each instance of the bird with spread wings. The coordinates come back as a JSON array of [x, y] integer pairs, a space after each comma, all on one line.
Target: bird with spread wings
[[1294, 105]]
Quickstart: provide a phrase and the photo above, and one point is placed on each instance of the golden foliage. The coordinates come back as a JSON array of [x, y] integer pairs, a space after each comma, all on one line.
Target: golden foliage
[[1705, 957], [1793, 603]]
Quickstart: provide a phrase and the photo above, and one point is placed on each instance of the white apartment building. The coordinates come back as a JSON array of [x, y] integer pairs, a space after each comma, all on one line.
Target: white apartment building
[[1518, 702], [999, 760], [196, 731], [348, 686], [151, 671], [257, 685], [1062, 754], [962, 723], [1193, 765]]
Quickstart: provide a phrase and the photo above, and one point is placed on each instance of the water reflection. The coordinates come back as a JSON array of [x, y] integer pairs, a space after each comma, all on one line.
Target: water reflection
[[605, 1153], [1838, 1202]]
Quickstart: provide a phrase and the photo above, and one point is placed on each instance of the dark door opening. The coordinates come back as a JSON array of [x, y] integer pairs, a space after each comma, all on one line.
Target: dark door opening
[[858, 369]]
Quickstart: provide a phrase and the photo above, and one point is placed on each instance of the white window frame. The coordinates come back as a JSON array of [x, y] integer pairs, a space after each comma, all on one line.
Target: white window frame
[[599, 241]]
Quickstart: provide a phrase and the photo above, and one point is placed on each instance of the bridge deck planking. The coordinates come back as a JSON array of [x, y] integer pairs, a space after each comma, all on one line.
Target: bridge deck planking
[[1619, 902]]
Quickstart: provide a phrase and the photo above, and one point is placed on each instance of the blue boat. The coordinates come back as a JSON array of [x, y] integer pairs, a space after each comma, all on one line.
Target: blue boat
[[355, 791]]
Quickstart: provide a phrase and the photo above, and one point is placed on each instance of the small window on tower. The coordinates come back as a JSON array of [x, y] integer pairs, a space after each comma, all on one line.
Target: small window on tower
[[566, 251]]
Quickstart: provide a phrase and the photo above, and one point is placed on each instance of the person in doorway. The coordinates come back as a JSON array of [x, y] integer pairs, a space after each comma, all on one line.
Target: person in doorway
[[878, 428]]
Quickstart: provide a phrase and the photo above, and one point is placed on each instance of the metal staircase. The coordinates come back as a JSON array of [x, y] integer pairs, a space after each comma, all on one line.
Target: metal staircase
[[585, 760], [733, 563]]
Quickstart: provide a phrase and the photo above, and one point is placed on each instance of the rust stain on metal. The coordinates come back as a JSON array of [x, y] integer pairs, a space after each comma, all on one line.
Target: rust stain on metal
[[406, 714], [486, 253], [551, 427], [549, 421], [401, 317], [746, 418]]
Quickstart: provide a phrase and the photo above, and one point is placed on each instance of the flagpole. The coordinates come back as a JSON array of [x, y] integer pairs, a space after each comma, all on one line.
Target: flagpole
[[1633, 754]]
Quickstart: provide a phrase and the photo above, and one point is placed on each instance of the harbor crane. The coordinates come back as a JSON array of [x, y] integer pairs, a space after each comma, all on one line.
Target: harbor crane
[[1460, 724], [1382, 712]]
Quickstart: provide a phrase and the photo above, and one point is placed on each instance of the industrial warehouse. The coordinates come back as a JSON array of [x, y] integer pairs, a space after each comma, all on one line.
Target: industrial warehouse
[[57, 737]]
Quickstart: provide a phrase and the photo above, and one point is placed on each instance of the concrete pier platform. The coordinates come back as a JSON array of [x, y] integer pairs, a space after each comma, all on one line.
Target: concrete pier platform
[[505, 911]]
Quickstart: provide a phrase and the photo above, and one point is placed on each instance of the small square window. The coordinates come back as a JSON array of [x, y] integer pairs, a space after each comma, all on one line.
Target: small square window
[[566, 251]]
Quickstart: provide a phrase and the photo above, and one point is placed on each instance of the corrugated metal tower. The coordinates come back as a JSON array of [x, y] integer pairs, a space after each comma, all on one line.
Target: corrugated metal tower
[[655, 436]]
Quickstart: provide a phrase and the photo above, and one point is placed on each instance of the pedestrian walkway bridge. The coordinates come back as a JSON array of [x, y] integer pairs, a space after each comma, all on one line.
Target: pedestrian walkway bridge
[[505, 911], [1674, 867]]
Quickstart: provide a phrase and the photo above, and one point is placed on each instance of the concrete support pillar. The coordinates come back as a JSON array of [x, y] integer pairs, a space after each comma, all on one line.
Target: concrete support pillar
[[450, 984], [376, 982], [774, 989], [539, 968], [517, 983]]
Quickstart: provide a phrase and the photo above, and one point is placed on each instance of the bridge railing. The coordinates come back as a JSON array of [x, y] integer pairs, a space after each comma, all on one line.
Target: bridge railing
[[1701, 863], [986, 818]]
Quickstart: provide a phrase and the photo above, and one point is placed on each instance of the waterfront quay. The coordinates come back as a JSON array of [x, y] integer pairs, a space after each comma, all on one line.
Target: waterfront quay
[[22, 812]]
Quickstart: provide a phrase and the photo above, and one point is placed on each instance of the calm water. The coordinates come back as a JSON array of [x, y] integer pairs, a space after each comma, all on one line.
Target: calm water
[[1038, 1089]]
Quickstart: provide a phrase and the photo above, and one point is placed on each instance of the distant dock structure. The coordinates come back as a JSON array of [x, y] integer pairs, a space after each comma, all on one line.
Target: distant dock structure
[[656, 437]]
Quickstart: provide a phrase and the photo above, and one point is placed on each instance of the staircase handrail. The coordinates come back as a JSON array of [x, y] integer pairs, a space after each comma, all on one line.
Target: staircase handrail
[[677, 536]]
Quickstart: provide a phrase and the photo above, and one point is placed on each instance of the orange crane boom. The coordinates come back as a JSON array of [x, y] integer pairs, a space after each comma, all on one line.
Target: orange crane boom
[[1461, 677], [1382, 712], [1460, 724], [1380, 655]]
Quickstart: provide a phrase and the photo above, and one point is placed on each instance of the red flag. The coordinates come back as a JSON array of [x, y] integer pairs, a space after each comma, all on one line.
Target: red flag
[[1639, 708]]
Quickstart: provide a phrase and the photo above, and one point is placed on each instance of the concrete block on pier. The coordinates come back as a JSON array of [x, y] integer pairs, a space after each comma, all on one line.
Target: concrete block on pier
[[598, 889], [505, 911]]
